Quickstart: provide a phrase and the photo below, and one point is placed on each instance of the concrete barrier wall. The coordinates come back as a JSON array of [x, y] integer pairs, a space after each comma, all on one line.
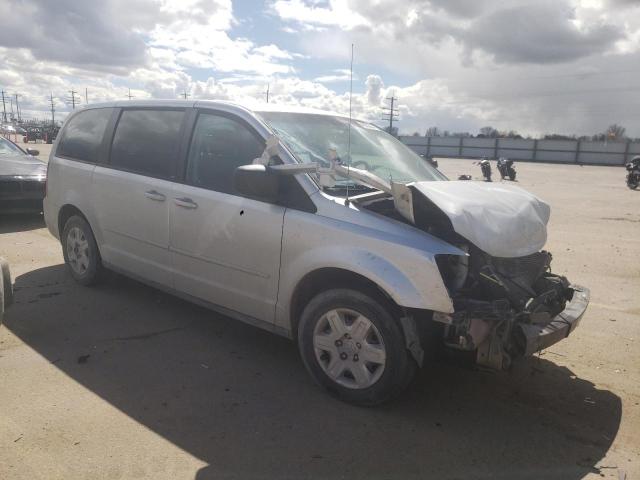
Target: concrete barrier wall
[[553, 151]]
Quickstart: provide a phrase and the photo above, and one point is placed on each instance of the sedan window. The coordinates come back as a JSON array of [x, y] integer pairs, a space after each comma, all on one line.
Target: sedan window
[[8, 148]]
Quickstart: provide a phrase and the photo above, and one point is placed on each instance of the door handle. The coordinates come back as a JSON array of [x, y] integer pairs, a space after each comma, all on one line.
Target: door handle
[[154, 195], [185, 202]]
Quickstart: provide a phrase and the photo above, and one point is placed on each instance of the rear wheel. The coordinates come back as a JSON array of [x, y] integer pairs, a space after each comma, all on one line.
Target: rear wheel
[[354, 348], [81, 251], [633, 181]]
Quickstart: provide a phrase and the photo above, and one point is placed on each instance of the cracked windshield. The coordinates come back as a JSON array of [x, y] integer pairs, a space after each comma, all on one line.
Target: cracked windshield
[[315, 138]]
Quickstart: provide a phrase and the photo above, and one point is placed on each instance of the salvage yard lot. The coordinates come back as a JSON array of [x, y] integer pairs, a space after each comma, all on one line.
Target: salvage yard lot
[[123, 381]]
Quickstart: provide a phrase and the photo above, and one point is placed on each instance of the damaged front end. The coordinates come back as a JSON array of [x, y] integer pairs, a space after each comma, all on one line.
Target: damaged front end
[[507, 302], [508, 307]]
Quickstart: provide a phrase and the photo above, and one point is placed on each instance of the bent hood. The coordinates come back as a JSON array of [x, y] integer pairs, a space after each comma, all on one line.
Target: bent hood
[[502, 220]]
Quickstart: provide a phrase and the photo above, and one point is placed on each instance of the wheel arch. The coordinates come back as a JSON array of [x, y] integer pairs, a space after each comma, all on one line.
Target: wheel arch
[[328, 278], [65, 213]]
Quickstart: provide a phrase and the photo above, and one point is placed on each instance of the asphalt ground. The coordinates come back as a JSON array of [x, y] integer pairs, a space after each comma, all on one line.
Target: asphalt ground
[[123, 381]]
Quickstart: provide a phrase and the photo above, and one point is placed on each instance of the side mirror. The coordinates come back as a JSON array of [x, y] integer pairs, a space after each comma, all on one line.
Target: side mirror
[[33, 152], [256, 181]]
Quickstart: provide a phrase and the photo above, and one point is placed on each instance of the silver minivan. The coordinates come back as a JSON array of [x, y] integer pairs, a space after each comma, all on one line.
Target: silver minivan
[[325, 230]]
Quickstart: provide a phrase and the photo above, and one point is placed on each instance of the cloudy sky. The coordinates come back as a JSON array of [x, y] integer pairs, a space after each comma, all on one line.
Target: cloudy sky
[[535, 66]]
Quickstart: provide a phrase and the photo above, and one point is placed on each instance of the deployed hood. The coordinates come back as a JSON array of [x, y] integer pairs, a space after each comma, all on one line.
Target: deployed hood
[[502, 220], [21, 165]]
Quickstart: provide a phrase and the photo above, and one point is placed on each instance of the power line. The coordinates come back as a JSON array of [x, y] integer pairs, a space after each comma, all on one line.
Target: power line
[[4, 109], [18, 107], [391, 113], [53, 110], [72, 99]]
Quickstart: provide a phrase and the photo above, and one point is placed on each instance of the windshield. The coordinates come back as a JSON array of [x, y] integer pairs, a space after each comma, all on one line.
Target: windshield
[[8, 148], [316, 138]]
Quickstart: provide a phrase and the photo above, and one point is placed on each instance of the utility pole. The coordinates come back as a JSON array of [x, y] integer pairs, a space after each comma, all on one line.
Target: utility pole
[[4, 109], [267, 92], [12, 117], [18, 108], [86, 95], [391, 113], [129, 96], [184, 94], [53, 111], [73, 98]]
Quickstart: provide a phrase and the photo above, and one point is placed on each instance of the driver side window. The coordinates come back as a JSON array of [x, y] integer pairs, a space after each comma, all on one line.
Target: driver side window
[[219, 145]]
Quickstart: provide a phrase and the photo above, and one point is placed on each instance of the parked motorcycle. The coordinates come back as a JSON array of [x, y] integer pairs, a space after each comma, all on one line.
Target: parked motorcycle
[[633, 177], [430, 160], [485, 166], [506, 168]]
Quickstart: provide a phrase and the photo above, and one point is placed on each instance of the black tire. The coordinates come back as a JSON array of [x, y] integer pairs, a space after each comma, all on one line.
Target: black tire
[[93, 272], [6, 286], [632, 183], [399, 368]]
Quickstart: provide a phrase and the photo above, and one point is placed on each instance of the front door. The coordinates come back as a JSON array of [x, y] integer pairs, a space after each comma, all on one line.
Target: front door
[[225, 248]]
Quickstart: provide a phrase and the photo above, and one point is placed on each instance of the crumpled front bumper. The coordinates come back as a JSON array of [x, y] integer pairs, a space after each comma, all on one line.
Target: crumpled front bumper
[[534, 338]]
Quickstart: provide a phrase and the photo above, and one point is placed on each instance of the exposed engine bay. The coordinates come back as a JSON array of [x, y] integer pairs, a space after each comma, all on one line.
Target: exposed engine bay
[[501, 304]]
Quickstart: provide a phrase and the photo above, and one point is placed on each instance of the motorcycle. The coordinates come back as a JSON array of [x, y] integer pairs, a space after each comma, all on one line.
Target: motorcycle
[[633, 177], [485, 166], [506, 168], [430, 160]]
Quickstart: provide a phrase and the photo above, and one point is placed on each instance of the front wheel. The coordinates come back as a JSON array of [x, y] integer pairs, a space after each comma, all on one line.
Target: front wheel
[[633, 181], [353, 347], [81, 251]]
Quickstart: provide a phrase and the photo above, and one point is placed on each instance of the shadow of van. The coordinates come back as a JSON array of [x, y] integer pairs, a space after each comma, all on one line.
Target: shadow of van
[[239, 398]]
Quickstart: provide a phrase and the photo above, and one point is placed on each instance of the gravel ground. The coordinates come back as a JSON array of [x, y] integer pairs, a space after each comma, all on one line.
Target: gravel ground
[[123, 381]]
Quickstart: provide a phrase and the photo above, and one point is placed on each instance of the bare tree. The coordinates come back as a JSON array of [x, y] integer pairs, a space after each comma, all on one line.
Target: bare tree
[[488, 132], [432, 132], [615, 132]]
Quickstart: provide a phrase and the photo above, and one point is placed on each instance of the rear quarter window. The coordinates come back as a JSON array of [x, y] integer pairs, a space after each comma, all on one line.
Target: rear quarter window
[[82, 137], [148, 142]]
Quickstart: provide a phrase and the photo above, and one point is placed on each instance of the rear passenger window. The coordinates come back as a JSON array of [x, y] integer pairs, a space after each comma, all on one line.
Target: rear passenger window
[[148, 142], [218, 147], [83, 135]]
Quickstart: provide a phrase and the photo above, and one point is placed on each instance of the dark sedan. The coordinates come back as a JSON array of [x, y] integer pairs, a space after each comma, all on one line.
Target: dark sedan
[[22, 179]]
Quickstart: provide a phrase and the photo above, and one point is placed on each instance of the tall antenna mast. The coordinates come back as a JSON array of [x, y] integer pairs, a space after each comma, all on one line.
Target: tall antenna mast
[[129, 96], [86, 95], [346, 202], [267, 92]]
